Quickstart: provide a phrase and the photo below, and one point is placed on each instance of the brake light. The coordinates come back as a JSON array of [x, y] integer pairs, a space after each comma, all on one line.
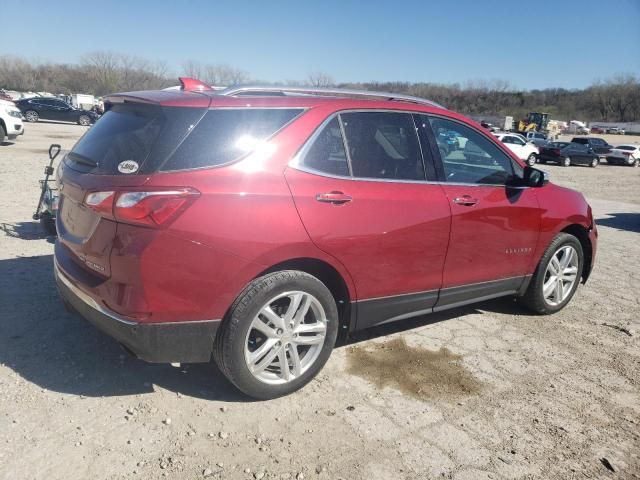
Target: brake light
[[150, 208], [626, 153], [556, 151]]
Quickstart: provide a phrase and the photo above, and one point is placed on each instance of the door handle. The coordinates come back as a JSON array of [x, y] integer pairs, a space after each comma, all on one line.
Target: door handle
[[465, 200], [337, 198]]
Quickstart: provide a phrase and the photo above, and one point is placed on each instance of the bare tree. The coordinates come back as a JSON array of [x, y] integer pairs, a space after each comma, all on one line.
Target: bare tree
[[320, 79]]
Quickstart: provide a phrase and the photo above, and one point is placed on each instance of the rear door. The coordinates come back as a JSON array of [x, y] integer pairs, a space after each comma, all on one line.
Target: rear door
[[359, 187], [494, 227]]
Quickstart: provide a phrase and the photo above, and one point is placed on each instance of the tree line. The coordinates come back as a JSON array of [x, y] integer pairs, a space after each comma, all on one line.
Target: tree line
[[616, 99]]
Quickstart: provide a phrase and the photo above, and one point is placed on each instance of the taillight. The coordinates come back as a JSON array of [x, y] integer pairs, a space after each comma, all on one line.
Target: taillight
[[626, 153], [150, 208], [101, 202], [556, 151]]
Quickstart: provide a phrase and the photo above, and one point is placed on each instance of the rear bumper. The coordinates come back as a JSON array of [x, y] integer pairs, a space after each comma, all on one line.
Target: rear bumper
[[168, 342]]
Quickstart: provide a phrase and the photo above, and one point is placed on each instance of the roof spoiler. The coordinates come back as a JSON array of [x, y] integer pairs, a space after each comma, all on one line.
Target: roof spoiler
[[193, 85]]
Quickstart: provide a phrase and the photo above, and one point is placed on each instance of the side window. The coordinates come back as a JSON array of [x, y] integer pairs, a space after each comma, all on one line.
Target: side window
[[517, 141], [473, 158], [225, 135], [327, 152], [383, 145]]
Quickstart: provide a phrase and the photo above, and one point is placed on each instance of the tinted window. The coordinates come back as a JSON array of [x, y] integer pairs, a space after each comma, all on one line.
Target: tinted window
[[383, 145], [473, 158], [123, 133], [223, 136], [579, 140], [327, 153], [597, 141], [626, 147]]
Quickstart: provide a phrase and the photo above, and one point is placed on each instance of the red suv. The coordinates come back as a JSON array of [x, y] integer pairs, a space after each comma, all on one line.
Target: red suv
[[253, 224]]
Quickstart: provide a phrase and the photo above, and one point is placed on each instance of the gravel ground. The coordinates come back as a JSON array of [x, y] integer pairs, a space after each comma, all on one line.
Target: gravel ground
[[479, 392]]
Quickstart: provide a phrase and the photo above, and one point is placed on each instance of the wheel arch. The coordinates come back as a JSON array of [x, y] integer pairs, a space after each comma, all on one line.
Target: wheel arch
[[327, 274], [582, 234]]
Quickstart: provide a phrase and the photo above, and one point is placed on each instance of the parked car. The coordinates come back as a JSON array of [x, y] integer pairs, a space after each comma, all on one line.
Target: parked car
[[537, 138], [10, 121], [197, 222], [597, 129], [51, 108], [599, 146], [615, 130], [568, 153], [523, 150], [625, 155]]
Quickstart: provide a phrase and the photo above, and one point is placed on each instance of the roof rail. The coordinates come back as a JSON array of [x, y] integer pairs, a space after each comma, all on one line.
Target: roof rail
[[331, 92]]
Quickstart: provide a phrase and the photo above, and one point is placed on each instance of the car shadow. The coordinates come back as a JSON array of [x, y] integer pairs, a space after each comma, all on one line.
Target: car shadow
[[26, 231], [58, 351], [622, 221]]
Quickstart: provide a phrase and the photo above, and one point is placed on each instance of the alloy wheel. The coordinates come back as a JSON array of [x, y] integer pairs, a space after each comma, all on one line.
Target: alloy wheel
[[285, 338], [567, 162], [31, 116], [84, 120], [561, 275]]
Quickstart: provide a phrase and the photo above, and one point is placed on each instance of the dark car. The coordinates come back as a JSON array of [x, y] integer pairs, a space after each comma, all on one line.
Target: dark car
[[51, 108], [193, 224], [569, 153], [599, 146]]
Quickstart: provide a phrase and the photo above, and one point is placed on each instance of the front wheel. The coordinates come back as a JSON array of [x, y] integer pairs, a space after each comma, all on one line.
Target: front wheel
[[31, 116], [278, 334], [531, 160], [556, 277], [566, 162], [595, 162], [84, 120]]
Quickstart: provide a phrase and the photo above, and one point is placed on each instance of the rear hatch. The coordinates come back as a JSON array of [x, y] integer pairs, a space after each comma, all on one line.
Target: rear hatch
[[118, 153], [105, 180]]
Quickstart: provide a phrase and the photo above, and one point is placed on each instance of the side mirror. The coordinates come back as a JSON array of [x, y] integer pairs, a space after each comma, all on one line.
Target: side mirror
[[54, 150], [534, 177]]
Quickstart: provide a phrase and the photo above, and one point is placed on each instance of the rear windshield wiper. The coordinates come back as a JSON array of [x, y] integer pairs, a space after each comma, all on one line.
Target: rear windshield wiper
[[76, 157]]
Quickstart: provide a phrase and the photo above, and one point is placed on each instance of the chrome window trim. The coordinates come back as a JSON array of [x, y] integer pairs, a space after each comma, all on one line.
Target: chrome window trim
[[296, 161]]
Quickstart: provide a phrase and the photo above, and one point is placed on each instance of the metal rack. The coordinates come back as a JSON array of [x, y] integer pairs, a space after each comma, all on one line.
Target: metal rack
[[330, 92]]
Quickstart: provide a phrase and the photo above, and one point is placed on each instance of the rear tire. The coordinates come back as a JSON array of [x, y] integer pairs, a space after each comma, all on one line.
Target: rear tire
[[538, 297], [635, 163], [3, 134], [595, 162], [566, 162], [31, 116], [243, 342]]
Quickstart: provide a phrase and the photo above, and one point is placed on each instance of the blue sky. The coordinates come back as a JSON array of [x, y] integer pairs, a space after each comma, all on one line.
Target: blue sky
[[544, 43]]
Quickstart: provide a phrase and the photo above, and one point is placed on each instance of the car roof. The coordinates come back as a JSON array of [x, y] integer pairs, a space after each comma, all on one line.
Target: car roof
[[211, 99]]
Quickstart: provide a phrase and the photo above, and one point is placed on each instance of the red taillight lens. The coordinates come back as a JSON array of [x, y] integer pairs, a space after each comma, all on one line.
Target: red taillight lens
[[149, 208], [627, 153], [556, 151]]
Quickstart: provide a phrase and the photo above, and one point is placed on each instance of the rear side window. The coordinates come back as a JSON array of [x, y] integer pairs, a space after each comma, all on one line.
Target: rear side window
[[580, 140], [225, 135], [383, 145], [327, 153]]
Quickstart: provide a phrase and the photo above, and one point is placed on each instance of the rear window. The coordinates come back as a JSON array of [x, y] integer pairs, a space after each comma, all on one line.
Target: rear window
[[173, 138], [225, 135]]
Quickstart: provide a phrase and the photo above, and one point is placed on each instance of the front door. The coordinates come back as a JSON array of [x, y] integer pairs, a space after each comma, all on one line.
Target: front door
[[364, 200], [494, 227]]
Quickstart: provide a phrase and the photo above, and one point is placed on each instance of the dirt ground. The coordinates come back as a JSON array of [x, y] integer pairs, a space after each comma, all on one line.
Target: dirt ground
[[482, 392]]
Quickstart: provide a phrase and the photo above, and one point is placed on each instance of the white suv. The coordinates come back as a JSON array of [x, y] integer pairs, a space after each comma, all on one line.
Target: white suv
[[10, 121]]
